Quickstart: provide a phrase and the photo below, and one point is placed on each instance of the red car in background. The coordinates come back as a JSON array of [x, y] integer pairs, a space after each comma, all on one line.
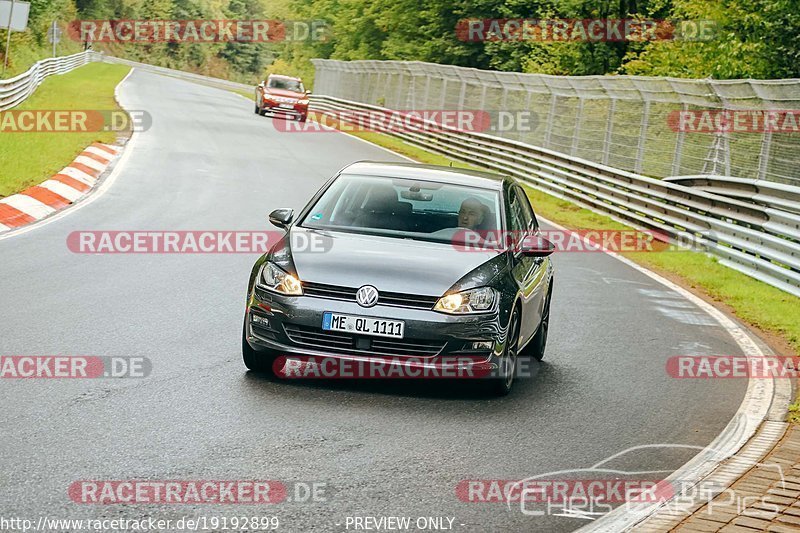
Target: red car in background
[[282, 95]]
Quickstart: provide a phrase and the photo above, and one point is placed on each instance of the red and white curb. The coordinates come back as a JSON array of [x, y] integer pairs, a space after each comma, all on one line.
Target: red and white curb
[[66, 187]]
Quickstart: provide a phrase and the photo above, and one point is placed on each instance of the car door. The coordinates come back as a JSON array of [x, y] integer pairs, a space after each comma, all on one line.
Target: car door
[[528, 272]]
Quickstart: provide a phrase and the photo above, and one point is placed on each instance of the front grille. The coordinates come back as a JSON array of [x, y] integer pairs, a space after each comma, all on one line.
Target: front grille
[[344, 343], [394, 299]]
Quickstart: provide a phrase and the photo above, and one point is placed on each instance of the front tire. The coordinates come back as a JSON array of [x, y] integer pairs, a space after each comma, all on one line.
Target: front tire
[[539, 341], [501, 384], [257, 361]]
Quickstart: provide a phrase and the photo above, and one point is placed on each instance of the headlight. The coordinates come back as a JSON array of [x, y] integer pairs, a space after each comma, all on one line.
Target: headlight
[[471, 301], [274, 279], [302, 102]]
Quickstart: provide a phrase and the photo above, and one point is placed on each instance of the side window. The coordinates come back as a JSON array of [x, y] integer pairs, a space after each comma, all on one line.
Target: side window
[[516, 222], [527, 211]]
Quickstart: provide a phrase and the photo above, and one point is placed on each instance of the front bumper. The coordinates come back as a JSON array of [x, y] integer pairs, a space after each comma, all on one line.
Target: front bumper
[[292, 326], [295, 110]]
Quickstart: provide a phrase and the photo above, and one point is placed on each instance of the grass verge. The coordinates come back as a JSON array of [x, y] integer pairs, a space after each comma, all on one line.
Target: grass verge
[[32, 157]]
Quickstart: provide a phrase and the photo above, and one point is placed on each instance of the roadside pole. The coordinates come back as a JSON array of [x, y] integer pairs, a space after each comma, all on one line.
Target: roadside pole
[[54, 35], [8, 39]]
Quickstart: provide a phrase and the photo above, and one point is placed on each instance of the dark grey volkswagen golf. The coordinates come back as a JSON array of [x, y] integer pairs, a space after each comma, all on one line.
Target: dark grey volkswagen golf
[[428, 266]]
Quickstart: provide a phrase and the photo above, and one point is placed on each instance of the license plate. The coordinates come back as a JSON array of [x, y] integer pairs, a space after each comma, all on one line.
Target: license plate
[[286, 106], [363, 325]]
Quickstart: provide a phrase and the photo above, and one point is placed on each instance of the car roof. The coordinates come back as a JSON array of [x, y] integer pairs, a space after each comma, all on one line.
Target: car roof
[[435, 173], [284, 77]]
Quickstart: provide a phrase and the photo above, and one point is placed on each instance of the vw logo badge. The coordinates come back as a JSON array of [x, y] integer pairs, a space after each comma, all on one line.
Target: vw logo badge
[[367, 296]]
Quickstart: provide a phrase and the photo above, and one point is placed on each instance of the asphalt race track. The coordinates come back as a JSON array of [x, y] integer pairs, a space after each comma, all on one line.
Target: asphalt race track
[[380, 448]]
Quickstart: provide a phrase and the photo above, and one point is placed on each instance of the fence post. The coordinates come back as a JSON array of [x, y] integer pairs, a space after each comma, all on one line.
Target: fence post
[[550, 115], [532, 125], [676, 157], [578, 125], [763, 156], [639, 164], [387, 89], [399, 96], [612, 108]]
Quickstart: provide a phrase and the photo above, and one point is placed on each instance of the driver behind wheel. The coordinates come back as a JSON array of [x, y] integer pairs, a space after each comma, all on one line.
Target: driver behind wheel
[[471, 214]]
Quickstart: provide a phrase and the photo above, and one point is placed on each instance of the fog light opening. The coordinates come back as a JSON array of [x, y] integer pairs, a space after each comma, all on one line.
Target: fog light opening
[[260, 321], [482, 345]]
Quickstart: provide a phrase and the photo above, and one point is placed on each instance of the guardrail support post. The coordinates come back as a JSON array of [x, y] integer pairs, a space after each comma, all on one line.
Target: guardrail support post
[[642, 137], [398, 103], [578, 126], [8, 38], [676, 157], [550, 116], [763, 156], [609, 130]]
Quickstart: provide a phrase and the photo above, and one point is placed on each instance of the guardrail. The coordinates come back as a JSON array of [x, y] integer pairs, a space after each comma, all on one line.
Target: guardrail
[[772, 195], [190, 76], [15, 90], [762, 242], [643, 124]]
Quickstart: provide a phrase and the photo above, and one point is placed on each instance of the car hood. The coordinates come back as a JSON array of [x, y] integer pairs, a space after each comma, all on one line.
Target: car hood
[[284, 93], [389, 264]]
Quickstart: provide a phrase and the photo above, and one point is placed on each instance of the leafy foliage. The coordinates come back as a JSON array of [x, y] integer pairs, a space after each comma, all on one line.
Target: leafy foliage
[[753, 38]]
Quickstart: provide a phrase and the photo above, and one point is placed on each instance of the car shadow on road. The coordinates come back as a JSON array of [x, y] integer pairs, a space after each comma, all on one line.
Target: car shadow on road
[[540, 378]]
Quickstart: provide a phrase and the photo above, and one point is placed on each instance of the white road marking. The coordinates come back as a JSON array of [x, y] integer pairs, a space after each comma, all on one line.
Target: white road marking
[[611, 281], [691, 318]]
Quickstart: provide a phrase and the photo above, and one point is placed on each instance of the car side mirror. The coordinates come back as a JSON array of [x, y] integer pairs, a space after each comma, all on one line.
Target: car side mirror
[[281, 217], [536, 246]]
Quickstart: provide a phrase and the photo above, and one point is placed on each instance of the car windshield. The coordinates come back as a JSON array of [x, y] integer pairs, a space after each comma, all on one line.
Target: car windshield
[[286, 84], [405, 208]]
